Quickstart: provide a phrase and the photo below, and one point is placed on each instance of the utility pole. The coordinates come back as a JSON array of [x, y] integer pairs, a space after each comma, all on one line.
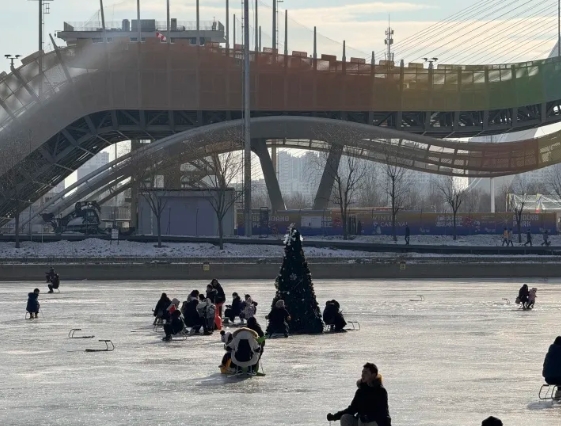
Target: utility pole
[[257, 26], [103, 21], [228, 25], [247, 123], [168, 23], [492, 189], [138, 21], [12, 59], [274, 25]]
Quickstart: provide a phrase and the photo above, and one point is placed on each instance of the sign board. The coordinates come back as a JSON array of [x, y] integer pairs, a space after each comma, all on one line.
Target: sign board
[[402, 265], [114, 234], [206, 266]]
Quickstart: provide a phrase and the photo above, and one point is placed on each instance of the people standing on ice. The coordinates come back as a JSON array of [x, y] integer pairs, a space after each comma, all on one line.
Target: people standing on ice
[[220, 295], [532, 297], [278, 319], [193, 295], [552, 366], [407, 234], [523, 295], [491, 421], [249, 308], [161, 309], [232, 311], [245, 350], [528, 239], [546, 241], [370, 404], [174, 326], [33, 304], [206, 310], [333, 316]]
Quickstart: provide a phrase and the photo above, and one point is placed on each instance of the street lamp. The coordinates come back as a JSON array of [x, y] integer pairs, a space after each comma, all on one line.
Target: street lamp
[[430, 61], [12, 59]]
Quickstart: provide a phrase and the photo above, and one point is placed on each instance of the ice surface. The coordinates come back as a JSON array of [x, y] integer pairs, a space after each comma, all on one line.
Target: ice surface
[[455, 358]]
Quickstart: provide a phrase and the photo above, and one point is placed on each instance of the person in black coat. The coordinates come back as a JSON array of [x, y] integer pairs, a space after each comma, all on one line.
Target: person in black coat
[[174, 326], [333, 316], [190, 313], [33, 304], [278, 319], [370, 403], [161, 309], [492, 421], [524, 295], [407, 234], [211, 294], [552, 366], [220, 295], [233, 310]]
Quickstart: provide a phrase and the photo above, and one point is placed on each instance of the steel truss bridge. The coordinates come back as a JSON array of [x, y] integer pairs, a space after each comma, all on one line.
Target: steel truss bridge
[[61, 108]]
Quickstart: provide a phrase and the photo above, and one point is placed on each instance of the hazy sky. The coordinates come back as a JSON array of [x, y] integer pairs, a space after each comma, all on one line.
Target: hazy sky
[[361, 23]]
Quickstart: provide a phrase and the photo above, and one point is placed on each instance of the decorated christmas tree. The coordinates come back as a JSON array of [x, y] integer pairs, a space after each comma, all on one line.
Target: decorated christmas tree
[[294, 286]]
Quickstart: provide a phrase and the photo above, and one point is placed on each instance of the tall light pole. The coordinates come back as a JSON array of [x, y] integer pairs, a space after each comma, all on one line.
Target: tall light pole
[[247, 132], [12, 59]]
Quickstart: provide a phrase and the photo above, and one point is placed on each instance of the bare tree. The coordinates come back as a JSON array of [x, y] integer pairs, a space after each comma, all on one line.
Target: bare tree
[[148, 172], [454, 196], [17, 171], [223, 171], [297, 201], [501, 198], [348, 178], [369, 194], [517, 199], [397, 184], [554, 180]]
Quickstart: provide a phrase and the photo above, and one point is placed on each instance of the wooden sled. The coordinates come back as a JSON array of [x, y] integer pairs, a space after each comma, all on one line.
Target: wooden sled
[[71, 334], [109, 347]]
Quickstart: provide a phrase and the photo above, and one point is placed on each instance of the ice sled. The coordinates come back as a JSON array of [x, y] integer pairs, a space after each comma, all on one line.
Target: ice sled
[[109, 347], [420, 298], [351, 326], [71, 334], [547, 393]]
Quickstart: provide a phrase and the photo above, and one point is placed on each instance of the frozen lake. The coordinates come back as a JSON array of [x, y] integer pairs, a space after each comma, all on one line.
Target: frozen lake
[[455, 358]]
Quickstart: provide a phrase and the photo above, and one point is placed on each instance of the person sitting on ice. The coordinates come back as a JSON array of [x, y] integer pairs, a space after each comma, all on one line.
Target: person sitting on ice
[[523, 295], [193, 295], [160, 311], [552, 366], [245, 350], [190, 313], [370, 404], [278, 319], [206, 310], [232, 311], [50, 275], [492, 421], [174, 326], [532, 297], [33, 304], [226, 363], [249, 308], [174, 306], [333, 316]]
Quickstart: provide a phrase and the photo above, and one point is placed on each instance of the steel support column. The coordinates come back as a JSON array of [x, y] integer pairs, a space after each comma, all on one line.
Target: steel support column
[[328, 177], [273, 187]]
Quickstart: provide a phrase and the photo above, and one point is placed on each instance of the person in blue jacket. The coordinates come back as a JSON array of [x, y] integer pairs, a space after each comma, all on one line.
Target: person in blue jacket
[[552, 366], [33, 303]]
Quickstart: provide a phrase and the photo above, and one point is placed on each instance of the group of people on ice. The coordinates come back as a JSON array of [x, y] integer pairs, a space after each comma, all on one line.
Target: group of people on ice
[[526, 297], [33, 305]]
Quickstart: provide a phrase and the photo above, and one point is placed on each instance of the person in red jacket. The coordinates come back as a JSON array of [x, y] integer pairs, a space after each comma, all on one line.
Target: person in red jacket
[[370, 404]]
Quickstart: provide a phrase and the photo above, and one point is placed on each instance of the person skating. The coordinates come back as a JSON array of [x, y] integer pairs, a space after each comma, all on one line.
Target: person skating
[[552, 366], [333, 316], [370, 403], [33, 304], [174, 326], [278, 319]]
